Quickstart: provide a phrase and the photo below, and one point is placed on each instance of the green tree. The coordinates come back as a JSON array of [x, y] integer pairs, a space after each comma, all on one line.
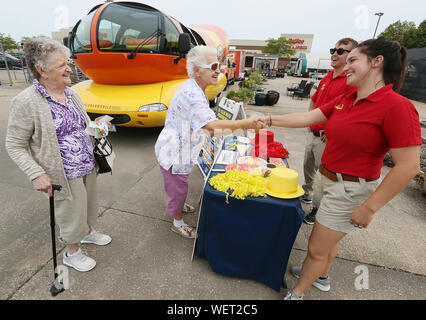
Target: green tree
[[8, 42], [280, 46], [406, 33], [421, 34]]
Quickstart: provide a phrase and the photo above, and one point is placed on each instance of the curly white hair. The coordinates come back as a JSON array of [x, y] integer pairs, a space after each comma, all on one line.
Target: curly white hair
[[196, 57], [38, 52]]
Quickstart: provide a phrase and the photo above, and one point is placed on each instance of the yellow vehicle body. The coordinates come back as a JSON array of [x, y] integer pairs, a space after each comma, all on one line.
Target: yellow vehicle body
[[142, 105]]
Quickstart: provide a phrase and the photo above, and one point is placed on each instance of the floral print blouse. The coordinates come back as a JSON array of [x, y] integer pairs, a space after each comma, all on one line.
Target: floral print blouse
[[181, 139], [75, 144]]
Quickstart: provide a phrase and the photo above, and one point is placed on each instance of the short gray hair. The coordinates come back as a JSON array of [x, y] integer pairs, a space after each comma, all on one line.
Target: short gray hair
[[196, 57], [38, 52]]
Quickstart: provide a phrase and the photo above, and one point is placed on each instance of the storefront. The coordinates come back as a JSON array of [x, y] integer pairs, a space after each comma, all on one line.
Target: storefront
[[251, 55], [311, 65]]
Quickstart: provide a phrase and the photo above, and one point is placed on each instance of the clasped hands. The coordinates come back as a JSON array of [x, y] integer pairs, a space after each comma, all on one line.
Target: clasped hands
[[258, 122]]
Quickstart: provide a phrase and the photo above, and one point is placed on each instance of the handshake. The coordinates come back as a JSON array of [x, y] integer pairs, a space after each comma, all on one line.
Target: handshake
[[258, 122]]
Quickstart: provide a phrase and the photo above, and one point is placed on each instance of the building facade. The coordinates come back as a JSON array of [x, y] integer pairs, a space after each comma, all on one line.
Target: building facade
[[253, 57]]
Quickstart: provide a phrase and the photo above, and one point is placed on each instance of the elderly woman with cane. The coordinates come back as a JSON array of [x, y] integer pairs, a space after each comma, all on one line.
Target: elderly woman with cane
[[362, 127], [46, 138], [188, 121]]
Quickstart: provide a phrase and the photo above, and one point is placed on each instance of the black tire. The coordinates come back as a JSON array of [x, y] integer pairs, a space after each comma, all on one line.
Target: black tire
[[214, 102]]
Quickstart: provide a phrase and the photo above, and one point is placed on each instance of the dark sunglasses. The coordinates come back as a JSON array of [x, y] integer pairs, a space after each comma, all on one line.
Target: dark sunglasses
[[339, 51]]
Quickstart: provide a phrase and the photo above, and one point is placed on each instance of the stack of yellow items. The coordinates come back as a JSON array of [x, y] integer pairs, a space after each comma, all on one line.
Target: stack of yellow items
[[240, 183]]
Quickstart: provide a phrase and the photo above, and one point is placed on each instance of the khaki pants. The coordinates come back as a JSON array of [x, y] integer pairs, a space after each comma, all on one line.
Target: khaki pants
[[75, 216], [313, 152]]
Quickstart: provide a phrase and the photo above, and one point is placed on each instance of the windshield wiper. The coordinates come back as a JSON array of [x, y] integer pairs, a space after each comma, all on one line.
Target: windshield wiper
[[156, 33]]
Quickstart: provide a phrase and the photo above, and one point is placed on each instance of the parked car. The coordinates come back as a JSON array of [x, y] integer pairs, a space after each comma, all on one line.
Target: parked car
[[12, 62], [19, 55]]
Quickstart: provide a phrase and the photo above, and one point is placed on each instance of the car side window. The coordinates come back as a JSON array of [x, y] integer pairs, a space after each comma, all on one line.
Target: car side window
[[171, 36]]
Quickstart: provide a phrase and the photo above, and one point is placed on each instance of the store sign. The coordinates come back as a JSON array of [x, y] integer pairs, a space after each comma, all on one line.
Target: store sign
[[295, 41], [298, 44], [300, 47]]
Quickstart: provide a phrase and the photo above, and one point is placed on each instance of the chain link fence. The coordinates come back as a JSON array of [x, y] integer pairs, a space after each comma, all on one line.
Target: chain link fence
[[13, 67], [14, 70]]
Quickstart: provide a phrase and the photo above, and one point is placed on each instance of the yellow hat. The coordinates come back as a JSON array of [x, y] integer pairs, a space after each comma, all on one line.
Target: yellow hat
[[283, 183]]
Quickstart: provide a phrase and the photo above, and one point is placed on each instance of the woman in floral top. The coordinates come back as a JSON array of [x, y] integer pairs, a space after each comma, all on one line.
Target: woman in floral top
[[46, 138], [189, 119]]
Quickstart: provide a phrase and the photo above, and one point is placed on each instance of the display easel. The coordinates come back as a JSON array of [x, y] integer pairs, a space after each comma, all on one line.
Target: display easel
[[229, 109]]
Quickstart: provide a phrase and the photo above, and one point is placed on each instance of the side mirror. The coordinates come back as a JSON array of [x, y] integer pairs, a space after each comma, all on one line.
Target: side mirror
[[66, 42], [184, 43]]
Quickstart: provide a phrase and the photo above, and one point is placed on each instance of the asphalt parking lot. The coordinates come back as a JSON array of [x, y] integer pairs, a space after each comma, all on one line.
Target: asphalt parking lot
[[147, 261]]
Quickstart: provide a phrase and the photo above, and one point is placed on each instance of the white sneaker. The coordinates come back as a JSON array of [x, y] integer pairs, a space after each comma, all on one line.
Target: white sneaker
[[79, 261], [291, 295], [96, 238], [322, 284]]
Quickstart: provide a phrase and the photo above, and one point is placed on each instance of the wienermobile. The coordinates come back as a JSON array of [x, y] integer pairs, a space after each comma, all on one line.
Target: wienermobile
[[134, 56]]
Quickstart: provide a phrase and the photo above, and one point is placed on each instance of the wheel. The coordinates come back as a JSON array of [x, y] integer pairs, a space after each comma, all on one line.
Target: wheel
[[213, 102]]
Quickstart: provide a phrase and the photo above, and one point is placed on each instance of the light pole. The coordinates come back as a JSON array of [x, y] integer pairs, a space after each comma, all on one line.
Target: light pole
[[380, 15]]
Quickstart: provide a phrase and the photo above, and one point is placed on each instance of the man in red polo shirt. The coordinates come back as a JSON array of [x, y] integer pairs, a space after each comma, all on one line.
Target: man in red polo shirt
[[330, 87]]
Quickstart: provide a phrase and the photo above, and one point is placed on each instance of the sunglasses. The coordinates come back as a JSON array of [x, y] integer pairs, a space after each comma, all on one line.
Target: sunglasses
[[339, 51], [212, 66]]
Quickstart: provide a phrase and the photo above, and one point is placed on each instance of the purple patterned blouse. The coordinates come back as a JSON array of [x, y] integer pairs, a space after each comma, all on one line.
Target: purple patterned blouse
[[74, 143]]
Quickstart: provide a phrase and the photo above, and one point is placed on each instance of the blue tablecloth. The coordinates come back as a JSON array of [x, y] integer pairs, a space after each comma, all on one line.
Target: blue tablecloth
[[249, 238]]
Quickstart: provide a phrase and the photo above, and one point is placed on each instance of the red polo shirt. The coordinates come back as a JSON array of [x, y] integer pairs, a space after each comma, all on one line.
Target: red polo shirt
[[360, 135], [328, 89]]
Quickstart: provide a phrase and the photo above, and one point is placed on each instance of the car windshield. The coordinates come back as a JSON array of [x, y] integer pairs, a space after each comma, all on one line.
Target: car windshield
[[123, 28], [81, 37]]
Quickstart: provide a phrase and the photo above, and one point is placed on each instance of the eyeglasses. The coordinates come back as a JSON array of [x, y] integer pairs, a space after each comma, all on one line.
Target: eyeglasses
[[339, 51], [212, 66]]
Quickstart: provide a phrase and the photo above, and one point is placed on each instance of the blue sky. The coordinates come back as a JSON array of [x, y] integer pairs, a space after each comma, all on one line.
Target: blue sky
[[328, 20]]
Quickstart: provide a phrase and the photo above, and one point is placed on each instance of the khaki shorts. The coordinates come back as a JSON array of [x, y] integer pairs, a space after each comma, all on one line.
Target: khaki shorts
[[312, 159], [339, 200], [75, 216]]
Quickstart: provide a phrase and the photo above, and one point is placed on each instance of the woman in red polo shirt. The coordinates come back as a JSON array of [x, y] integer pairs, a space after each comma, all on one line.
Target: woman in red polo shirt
[[363, 125]]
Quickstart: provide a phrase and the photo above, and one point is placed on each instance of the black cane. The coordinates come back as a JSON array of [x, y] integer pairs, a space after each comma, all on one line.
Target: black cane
[[57, 286]]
